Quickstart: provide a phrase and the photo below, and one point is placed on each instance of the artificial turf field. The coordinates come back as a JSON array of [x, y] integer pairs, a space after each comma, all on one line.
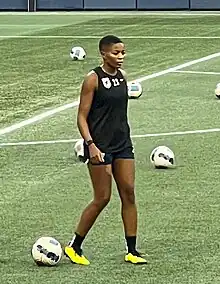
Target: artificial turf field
[[43, 187]]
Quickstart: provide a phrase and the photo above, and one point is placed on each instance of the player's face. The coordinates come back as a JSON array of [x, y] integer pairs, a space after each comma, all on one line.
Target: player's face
[[114, 55]]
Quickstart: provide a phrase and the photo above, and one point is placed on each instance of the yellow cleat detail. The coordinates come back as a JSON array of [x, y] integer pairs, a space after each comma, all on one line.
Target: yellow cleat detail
[[74, 257], [135, 259]]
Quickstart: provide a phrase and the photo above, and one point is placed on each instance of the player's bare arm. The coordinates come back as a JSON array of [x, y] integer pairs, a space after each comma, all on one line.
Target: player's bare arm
[[86, 97], [87, 92]]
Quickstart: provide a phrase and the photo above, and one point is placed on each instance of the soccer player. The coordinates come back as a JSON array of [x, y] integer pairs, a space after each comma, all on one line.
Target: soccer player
[[103, 123]]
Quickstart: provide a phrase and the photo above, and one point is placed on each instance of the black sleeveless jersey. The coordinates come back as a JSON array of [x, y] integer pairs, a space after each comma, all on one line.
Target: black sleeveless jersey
[[107, 119]]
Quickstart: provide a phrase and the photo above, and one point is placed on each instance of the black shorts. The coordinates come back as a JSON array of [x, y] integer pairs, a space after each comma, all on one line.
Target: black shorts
[[126, 153]]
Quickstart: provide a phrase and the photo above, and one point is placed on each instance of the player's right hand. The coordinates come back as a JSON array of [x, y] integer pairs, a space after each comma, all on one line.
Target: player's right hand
[[96, 156]]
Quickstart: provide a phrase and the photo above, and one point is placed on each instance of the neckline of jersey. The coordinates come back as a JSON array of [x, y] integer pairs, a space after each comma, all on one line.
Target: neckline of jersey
[[113, 75]]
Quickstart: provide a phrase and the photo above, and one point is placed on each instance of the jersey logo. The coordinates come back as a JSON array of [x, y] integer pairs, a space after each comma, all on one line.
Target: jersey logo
[[106, 83]]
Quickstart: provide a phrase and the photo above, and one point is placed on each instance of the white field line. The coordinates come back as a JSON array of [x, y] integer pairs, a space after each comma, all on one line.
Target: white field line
[[178, 67], [82, 25], [37, 117], [39, 29], [98, 37], [115, 13], [197, 72], [63, 141], [25, 143], [28, 25], [76, 103]]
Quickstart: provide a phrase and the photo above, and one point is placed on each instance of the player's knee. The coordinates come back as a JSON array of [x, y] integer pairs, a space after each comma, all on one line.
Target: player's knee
[[128, 195], [102, 201]]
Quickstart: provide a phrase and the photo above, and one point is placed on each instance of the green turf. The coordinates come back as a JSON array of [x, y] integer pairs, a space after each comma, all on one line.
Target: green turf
[[39, 72], [43, 188]]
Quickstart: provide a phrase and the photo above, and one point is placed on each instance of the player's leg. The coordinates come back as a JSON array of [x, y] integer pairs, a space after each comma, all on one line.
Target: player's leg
[[101, 177], [124, 175]]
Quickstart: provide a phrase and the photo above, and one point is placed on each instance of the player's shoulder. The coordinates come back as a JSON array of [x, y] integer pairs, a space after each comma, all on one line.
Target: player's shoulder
[[90, 80], [91, 73], [91, 76]]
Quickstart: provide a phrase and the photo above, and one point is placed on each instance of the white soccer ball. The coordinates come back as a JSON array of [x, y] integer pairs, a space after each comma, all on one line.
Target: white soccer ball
[[79, 150], [162, 157], [134, 90], [46, 251], [217, 91], [77, 53]]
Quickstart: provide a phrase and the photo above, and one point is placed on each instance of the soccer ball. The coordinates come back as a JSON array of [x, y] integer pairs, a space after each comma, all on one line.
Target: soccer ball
[[79, 150], [77, 53], [46, 251], [134, 90], [217, 91], [162, 157]]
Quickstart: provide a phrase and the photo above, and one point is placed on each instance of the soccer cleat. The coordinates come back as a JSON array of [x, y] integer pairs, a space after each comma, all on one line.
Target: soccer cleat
[[135, 258], [75, 257]]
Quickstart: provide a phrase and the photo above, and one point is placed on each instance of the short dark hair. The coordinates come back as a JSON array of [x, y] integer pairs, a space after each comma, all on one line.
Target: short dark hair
[[108, 40]]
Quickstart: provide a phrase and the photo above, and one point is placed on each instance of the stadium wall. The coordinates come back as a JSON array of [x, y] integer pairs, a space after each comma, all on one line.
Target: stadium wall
[[111, 4], [60, 4], [13, 4], [205, 4], [163, 4]]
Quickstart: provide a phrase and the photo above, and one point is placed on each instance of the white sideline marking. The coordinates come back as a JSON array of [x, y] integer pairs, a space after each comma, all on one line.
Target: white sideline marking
[[37, 118], [75, 103], [211, 130], [25, 143], [178, 67], [108, 13], [197, 72], [98, 37], [28, 25]]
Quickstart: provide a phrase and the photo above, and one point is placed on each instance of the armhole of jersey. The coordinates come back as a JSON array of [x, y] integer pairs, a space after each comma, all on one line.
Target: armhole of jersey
[[123, 75], [94, 71]]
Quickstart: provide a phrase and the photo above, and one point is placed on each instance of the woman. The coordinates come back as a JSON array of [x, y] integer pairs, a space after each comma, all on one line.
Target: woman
[[103, 124]]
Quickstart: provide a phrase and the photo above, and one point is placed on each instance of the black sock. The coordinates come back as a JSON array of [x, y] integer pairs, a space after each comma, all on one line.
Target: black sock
[[131, 243], [77, 242]]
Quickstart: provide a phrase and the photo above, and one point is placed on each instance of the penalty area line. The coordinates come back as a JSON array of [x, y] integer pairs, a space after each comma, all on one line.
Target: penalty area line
[[64, 141]]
